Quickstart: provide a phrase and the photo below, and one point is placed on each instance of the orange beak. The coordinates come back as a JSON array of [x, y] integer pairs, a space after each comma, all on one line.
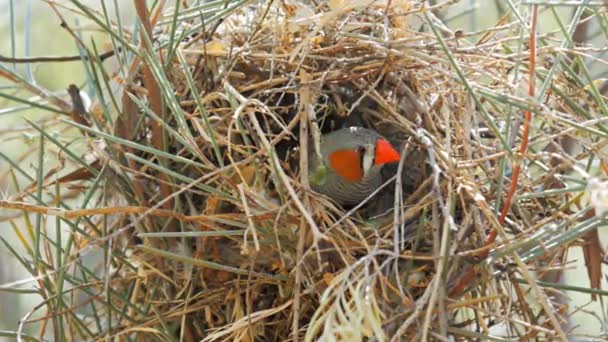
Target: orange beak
[[385, 153]]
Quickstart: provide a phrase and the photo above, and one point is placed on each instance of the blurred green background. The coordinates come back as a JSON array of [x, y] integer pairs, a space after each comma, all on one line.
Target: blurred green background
[[30, 28]]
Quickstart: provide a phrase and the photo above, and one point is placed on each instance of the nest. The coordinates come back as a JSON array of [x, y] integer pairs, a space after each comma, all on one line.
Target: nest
[[232, 244]]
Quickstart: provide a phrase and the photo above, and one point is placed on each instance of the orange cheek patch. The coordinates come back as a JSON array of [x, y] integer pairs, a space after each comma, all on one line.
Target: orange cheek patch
[[347, 164]]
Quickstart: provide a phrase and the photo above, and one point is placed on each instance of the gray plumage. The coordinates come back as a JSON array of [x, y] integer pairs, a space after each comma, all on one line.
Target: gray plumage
[[341, 190]]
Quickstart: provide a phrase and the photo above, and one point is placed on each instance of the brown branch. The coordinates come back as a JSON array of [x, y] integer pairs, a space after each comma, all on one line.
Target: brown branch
[[126, 210], [154, 93], [525, 134], [51, 59], [463, 282]]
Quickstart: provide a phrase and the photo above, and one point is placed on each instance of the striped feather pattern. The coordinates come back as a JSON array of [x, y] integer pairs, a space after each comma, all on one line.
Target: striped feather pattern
[[348, 193]]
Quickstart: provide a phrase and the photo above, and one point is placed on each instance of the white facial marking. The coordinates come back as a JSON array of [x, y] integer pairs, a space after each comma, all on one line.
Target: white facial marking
[[368, 159]]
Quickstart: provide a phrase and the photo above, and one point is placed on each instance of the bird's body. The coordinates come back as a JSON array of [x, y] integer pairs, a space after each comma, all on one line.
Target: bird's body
[[352, 159]]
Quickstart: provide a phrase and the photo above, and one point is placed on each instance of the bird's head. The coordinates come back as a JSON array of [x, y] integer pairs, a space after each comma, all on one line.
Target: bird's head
[[353, 153]]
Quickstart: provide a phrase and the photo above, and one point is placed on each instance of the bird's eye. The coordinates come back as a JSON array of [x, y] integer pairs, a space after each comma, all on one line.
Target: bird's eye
[[361, 149]]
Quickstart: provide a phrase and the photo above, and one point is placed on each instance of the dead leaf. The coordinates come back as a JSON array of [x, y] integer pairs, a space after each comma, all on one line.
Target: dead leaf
[[593, 252]]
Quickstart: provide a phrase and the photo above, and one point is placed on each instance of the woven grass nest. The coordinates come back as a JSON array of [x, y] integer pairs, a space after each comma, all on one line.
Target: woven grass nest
[[234, 245]]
